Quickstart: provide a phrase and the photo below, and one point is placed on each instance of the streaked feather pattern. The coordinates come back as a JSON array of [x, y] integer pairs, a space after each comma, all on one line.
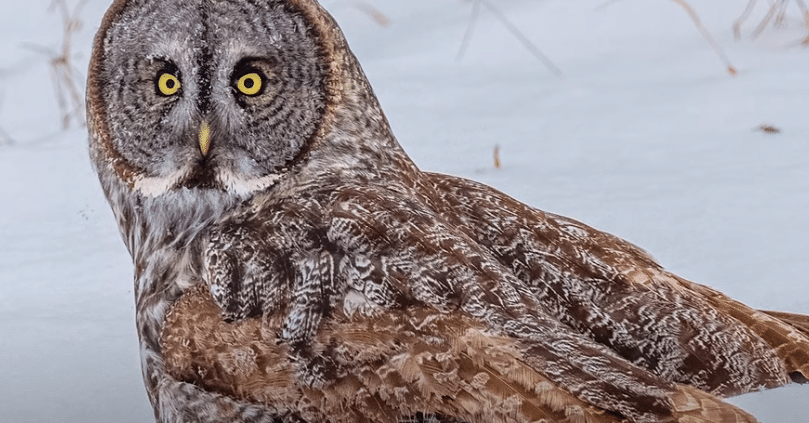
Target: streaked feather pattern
[[626, 346]]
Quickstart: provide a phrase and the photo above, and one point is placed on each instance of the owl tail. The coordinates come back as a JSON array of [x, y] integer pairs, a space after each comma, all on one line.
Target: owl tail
[[787, 333], [692, 405], [797, 321], [801, 323]]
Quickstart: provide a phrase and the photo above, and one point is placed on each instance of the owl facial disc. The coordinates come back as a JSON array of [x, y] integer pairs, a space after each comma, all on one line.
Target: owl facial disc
[[205, 101]]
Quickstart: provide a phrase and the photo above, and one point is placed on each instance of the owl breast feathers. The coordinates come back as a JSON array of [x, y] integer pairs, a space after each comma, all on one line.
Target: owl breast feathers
[[292, 264]]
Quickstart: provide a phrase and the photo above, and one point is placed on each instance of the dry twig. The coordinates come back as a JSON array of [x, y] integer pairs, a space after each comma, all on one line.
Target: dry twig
[[375, 14], [528, 44], [776, 14], [698, 22], [469, 30], [737, 26], [805, 13], [719, 51], [768, 129], [5, 138], [63, 73]]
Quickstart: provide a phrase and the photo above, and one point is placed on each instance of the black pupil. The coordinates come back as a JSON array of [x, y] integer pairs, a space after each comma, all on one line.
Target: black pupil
[[170, 84], [248, 83]]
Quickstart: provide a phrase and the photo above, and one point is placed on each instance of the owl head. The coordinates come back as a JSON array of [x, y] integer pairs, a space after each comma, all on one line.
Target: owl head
[[226, 96]]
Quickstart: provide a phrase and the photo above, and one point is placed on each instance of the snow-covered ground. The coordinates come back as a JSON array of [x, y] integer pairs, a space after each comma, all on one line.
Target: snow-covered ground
[[644, 135]]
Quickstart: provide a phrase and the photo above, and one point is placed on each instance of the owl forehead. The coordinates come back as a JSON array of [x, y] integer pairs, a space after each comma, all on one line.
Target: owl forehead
[[191, 32]]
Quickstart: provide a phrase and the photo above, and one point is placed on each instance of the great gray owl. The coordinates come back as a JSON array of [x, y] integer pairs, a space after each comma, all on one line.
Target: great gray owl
[[292, 264]]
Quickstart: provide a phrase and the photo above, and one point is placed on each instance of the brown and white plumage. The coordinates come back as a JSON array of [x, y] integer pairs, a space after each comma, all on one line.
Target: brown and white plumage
[[293, 265], [625, 340], [392, 367]]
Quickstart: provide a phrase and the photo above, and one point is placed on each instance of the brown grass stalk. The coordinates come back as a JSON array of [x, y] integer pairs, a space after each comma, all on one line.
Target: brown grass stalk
[[375, 14], [519, 35], [698, 22], [64, 74], [367, 9], [707, 35], [5, 138], [776, 14]]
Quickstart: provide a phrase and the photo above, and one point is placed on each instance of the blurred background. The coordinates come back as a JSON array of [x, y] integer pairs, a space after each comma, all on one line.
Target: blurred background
[[680, 126]]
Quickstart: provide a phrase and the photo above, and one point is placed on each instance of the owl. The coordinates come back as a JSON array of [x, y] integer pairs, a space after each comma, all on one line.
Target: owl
[[292, 264]]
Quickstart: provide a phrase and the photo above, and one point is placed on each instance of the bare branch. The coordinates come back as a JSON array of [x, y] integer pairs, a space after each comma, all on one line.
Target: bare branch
[[63, 73], [5, 138], [528, 44], [366, 8], [776, 13], [467, 36], [764, 22], [805, 15], [737, 26], [380, 18], [707, 35]]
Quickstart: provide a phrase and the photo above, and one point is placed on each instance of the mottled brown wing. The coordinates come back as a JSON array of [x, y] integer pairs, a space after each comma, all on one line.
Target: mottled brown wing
[[387, 368], [617, 295]]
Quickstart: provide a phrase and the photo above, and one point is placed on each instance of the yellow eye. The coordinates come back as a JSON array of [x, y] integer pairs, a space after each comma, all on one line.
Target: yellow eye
[[168, 84], [249, 84]]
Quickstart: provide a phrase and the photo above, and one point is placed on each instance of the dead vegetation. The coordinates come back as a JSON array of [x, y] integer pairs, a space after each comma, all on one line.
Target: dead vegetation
[[5, 139], [768, 129], [375, 14], [519, 35], [776, 15], [704, 31], [65, 76], [532, 48], [372, 12], [707, 35]]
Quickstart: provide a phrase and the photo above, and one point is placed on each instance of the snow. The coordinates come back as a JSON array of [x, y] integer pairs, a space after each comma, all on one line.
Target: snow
[[644, 135]]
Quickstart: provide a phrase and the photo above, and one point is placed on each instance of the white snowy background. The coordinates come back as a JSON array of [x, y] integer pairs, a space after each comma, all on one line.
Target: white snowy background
[[645, 135]]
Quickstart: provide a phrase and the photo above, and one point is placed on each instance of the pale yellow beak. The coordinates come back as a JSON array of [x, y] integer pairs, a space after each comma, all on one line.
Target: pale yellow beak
[[204, 138]]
